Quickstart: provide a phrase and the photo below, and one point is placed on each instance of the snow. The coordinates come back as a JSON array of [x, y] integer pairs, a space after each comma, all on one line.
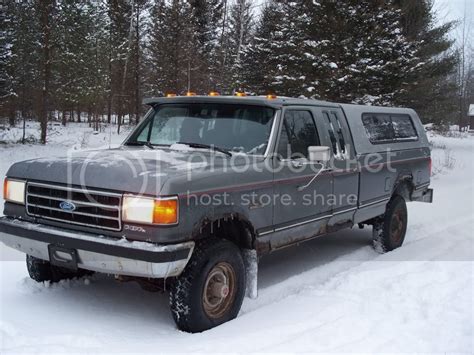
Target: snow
[[334, 294]]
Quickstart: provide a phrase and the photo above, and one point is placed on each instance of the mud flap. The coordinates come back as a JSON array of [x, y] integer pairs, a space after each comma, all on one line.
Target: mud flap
[[426, 197], [251, 268]]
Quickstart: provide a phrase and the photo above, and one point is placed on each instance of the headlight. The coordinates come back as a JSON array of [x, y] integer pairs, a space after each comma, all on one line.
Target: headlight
[[163, 211], [14, 191]]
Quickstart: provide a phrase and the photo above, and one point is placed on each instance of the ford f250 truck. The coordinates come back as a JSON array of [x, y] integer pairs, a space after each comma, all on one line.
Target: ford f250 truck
[[205, 186]]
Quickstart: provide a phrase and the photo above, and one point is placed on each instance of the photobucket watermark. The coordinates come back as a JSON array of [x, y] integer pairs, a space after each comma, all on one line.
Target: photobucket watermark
[[146, 171], [262, 200]]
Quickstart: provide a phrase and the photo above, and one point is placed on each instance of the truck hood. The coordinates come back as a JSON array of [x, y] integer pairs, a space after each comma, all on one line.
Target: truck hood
[[125, 169]]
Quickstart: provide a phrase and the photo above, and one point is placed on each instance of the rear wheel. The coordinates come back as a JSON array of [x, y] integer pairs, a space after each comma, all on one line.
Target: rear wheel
[[390, 229], [211, 289], [41, 270]]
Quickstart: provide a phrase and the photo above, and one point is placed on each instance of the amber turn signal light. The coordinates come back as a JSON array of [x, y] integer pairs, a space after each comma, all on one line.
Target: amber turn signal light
[[165, 211]]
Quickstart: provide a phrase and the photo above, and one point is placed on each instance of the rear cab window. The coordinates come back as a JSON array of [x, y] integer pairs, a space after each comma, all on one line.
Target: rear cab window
[[337, 132]]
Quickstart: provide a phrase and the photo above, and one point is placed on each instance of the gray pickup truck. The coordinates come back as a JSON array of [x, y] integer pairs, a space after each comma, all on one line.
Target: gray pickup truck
[[205, 186]]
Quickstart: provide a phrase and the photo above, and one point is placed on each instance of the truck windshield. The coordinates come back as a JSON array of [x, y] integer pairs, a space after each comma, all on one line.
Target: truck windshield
[[235, 128]]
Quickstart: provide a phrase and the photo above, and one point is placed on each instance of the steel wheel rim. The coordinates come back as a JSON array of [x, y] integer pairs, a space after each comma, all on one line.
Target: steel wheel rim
[[396, 226], [219, 290]]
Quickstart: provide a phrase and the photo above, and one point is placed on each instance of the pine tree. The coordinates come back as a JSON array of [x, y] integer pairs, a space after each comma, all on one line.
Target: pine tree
[[6, 58], [46, 11], [259, 67], [238, 37], [120, 14], [428, 89], [287, 58], [20, 59], [73, 72], [356, 51], [96, 74], [156, 49], [207, 18], [171, 49], [139, 25]]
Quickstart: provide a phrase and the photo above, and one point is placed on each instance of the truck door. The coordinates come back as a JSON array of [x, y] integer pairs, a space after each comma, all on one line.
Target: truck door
[[345, 168], [299, 213]]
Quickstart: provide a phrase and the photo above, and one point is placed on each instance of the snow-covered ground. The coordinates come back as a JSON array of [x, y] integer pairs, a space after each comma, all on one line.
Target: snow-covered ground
[[332, 295]]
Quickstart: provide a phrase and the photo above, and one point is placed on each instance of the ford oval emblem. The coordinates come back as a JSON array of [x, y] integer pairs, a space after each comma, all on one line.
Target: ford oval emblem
[[67, 206]]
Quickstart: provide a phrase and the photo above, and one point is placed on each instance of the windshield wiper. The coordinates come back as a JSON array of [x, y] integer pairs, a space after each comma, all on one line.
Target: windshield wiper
[[206, 146], [141, 144], [146, 144], [149, 145]]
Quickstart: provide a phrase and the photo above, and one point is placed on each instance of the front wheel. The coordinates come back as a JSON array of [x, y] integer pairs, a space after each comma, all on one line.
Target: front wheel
[[211, 289], [390, 229], [41, 271]]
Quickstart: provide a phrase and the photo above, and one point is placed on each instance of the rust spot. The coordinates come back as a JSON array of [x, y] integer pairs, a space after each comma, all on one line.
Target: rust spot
[[262, 247]]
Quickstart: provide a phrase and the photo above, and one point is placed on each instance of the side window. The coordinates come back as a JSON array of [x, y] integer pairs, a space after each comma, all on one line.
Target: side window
[[382, 128], [143, 136], [331, 131], [403, 127], [378, 127], [298, 133], [284, 147], [340, 134]]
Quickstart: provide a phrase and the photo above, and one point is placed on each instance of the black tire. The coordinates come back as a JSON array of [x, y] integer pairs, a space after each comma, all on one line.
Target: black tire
[[191, 307], [389, 231], [41, 271]]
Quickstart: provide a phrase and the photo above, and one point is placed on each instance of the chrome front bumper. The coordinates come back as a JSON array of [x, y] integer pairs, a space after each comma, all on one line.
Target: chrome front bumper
[[96, 252]]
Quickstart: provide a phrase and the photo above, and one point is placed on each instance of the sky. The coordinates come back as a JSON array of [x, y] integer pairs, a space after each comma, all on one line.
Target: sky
[[449, 10], [457, 10]]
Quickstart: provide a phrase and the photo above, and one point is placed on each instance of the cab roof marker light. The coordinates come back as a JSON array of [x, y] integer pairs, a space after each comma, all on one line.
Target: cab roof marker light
[[271, 97], [190, 93], [240, 94], [170, 95], [214, 93]]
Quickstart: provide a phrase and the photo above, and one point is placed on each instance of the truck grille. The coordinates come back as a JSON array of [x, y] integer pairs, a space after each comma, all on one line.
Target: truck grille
[[90, 208]]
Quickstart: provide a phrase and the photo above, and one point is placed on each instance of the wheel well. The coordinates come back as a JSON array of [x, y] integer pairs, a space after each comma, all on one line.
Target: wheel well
[[235, 229], [404, 188]]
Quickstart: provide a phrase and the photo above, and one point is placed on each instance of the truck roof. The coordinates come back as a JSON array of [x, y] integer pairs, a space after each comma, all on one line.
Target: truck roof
[[274, 103], [248, 100]]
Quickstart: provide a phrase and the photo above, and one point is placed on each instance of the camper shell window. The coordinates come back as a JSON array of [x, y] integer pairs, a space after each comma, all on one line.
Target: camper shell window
[[386, 128]]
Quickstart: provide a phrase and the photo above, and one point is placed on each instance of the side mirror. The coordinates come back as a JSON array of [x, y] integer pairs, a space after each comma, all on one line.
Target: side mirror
[[319, 154]]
